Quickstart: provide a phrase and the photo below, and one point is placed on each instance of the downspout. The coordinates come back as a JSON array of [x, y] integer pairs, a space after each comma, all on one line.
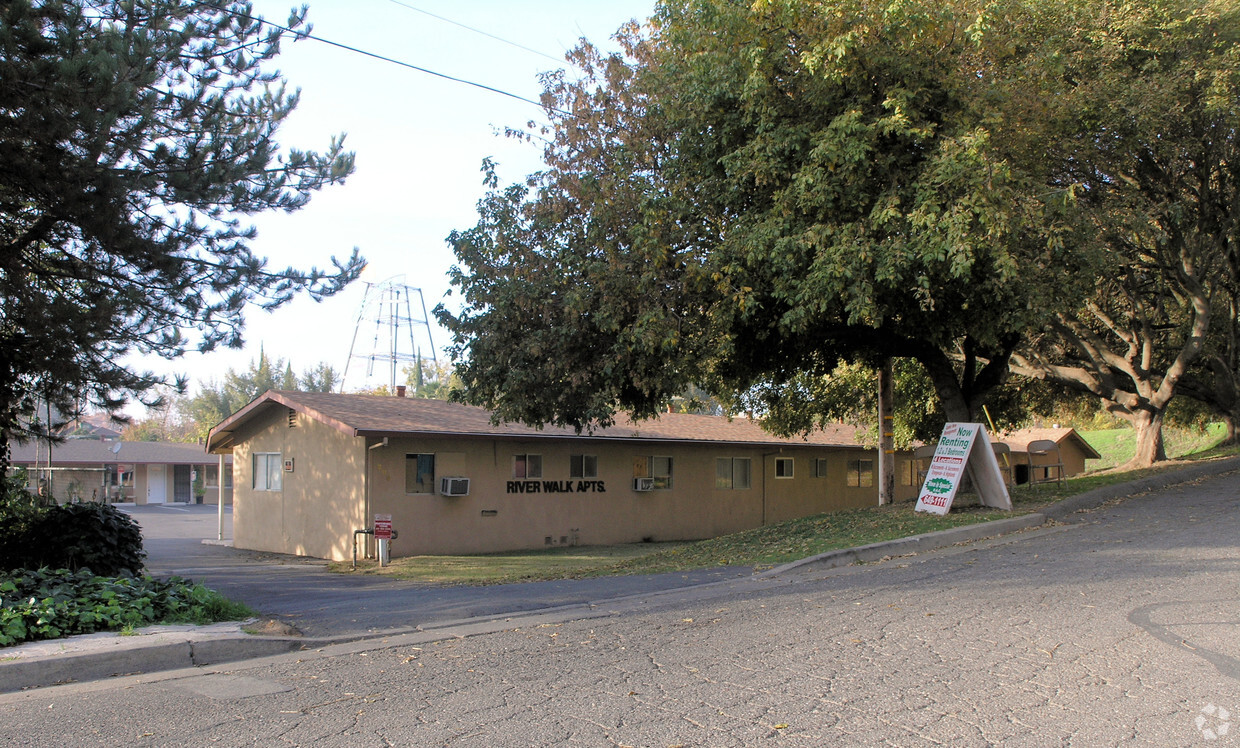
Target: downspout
[[366, 495]]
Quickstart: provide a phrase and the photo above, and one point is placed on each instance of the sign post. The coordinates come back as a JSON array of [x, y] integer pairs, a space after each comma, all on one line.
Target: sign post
[[383, 534], [961, 446]]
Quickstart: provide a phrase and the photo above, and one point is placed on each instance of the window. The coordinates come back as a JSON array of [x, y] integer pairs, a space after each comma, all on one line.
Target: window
[[582, 466], [661, 471], [860, 473], [783, 467], [268, 469], [908, 472], [527, 466], [820, 467], [658, 468], [419, 473], [732, 472]]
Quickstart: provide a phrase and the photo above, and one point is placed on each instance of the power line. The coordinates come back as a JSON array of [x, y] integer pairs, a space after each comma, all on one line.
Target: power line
[[374, 55], [479, 31]]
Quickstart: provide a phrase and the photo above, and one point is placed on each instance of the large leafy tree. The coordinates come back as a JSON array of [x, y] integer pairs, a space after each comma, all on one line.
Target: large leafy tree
[[1144, 108], [753, 192], [136, 138]]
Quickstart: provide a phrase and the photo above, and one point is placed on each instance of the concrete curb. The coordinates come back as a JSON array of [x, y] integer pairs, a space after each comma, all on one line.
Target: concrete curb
[[1062, 511], [201, 647], [161, 652], [913, 544]]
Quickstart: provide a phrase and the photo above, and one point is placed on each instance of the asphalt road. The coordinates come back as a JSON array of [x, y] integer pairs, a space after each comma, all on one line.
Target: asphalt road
[[319, 603], [1121, 630]]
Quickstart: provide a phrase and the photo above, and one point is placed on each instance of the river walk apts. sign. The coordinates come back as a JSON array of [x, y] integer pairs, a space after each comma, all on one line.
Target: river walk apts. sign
[[963, 446]]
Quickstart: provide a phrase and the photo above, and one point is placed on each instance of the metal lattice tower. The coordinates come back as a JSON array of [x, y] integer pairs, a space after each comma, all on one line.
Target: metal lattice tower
[[388, 307]]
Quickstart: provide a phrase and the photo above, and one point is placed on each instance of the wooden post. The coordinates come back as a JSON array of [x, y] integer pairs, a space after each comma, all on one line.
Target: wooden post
[[219, 510], [886, 435]]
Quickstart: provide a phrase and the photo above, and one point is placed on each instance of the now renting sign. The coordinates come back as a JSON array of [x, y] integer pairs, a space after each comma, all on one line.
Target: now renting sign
[[963, 446]]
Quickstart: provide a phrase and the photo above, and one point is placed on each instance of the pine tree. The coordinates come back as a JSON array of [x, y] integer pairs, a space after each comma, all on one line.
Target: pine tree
[[135, 141]]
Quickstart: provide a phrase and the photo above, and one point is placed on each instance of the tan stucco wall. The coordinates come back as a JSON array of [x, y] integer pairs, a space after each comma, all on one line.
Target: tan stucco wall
[[324, 499], [491, 518], [320, 502]]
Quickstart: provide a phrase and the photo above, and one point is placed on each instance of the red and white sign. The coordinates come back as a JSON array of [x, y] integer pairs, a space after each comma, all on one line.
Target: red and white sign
[[383, 527], [961, 446]]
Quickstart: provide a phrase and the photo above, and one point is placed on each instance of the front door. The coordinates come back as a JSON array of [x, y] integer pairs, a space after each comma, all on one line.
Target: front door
[[156, 484], [182, 480]]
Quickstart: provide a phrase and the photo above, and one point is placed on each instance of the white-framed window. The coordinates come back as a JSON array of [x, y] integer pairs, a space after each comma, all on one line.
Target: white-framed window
[[526, 466], [733, 472], [268, 471], [860, 473], [658, 468], [820, 467], [583, 466], [784, 467], [419, 473]]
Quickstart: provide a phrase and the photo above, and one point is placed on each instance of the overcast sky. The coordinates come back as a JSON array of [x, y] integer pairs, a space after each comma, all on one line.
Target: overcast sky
[[420, 141]]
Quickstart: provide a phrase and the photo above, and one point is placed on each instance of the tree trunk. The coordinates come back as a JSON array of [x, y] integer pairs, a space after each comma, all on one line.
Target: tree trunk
[[886, 449], [1150, 448], [951, 396]]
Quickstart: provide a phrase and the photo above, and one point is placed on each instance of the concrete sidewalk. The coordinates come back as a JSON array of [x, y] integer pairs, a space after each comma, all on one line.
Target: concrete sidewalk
[[158, 648]]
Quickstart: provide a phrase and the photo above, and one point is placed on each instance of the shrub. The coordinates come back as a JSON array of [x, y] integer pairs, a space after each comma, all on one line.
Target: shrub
[[19, 511], [98, 537]]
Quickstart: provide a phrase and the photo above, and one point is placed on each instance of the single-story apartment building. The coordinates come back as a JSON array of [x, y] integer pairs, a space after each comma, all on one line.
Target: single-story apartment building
[[311, 469], [122, 471]]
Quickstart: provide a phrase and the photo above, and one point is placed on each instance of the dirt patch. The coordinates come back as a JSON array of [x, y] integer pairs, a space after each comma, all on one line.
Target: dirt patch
[[271, 627]]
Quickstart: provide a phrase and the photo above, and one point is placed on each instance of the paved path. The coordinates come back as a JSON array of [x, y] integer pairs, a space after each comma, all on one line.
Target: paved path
[[1120, 630], [319, 603]]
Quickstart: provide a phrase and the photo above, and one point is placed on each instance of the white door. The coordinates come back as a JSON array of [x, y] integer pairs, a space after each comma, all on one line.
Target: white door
[[156, 484]]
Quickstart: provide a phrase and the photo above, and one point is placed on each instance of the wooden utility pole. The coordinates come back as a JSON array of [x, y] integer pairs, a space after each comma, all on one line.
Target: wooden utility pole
[[886, 435]]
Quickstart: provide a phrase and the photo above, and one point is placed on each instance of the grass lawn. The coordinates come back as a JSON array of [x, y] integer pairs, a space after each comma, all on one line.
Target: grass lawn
[[776, 544], [1117, 445]]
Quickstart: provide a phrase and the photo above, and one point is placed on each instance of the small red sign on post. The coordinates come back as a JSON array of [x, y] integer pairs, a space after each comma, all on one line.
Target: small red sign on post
[[383, 527]]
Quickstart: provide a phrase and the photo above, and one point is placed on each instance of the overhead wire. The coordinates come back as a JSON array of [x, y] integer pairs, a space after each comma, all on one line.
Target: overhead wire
[[383, 58], [478, 31]]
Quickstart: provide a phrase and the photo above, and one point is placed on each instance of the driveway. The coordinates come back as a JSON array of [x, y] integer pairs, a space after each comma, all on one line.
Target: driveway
[[319, 603]]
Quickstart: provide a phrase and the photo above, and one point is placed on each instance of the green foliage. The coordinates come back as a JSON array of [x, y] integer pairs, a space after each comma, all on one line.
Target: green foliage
[[98, 537], [215, 402], [50, 604], [135, 141], [754, 192], [19, 511], [433, 380], [1142, 109]]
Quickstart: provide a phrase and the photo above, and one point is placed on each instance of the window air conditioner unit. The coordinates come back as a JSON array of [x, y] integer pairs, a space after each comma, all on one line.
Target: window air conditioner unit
[[643, 484], [454, 486]]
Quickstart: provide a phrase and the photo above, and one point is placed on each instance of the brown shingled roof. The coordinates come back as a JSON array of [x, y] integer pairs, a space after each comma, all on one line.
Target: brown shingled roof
[[96, 452], [373, 415]]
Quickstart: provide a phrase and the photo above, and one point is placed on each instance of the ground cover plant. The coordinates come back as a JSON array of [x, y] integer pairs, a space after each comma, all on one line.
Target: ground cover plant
[[764, 547], [54, 603], [76, 569]]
